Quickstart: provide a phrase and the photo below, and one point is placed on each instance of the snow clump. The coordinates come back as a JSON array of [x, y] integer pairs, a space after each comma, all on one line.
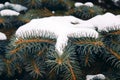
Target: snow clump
[[61, 26], [2, 6], [2, 36], [8, 12], [64, 27], [89, 4], [16, 7], [103, 22], [98, 76]]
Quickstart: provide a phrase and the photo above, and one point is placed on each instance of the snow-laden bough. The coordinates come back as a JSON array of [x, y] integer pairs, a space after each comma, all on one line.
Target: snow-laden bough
[[61, 26]]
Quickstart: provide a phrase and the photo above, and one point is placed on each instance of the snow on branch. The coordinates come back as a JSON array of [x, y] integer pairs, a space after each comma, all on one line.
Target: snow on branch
[[104, 22], [62, 27], [2, 36], [95, 77], [16, 7], [89, 4], [8, 12], [1, 6]]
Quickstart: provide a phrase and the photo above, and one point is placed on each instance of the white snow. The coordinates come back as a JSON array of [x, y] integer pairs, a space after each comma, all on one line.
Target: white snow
[[115, 1], [100, 1], [118, 16], [99, 76], [2, 6], [90, 4], [8, 12], [53, 12], [82, 32], [61, 26], [103, 22], [78, 4], [16, 7], [2, 36]]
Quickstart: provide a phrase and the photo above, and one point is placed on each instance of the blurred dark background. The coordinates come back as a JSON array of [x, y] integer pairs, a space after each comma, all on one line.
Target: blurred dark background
[[3, 1], [108, 4]]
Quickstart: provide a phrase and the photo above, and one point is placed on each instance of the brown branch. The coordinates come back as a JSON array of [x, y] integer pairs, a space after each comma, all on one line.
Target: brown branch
[[59, 60], [96, 43], [36, 69], [41, 52], [91, 11], [8, 62], [113, 52], [21, 41], [87, 57], [1, 20], [15, 50], [115, 42], [116, 32], [18, 68], [33, 2], [71, 70]]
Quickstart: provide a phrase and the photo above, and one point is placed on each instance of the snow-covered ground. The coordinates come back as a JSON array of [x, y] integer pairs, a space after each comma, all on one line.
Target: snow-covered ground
[[2, 36], [68, 26]]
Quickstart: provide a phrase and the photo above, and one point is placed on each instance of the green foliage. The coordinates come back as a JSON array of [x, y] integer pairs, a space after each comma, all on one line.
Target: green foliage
[[87, 49], [36, 55], [35, 13], [9, 22], [28, 54], [5, 22], [36, 58], [111, 42], [113, 75], [1, 65], [3, 44], [36, 4], [106, 48], [31, 4], [86, 12], [55, 4], [65, 67]]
